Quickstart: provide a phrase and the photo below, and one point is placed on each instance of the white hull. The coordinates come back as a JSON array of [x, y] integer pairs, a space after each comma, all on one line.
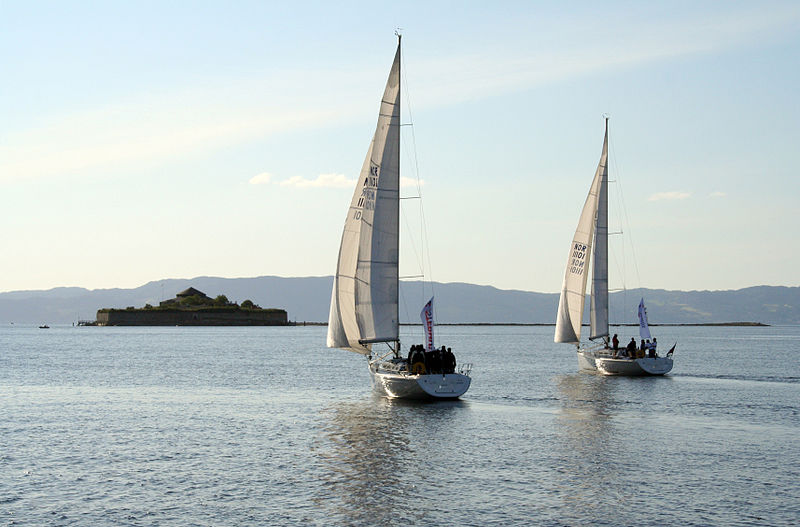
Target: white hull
[[603, 362], [404, 385]]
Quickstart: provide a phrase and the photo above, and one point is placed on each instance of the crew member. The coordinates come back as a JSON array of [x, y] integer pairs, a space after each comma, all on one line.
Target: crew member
[[449, 362], [630, 349]]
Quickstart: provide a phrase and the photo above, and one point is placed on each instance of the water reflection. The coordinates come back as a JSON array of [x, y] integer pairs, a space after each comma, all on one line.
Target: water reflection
[[587, 445], [586, 405], [375, 455]]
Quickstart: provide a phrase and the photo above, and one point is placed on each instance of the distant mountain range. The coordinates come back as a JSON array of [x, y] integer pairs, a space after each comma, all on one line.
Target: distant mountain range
[[308, 299]]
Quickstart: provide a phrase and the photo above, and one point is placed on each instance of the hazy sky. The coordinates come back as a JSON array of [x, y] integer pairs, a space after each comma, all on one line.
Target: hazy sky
[[148, 140]]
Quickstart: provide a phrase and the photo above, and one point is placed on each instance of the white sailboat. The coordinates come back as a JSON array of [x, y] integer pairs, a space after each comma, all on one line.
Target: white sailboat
[[364, 301], [591, 240]]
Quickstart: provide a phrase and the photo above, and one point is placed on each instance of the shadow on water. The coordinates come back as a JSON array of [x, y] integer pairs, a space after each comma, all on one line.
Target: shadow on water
[[371, 453]]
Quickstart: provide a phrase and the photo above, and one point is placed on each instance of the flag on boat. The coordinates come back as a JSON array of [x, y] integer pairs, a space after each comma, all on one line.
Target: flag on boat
[[427, 322], [644, 328], [671, 350]]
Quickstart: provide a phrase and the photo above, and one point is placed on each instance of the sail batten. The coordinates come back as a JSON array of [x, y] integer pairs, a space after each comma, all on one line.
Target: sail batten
[[364, 300]]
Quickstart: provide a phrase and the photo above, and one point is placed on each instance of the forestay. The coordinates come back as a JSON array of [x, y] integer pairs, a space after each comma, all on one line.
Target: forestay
[[364, 298], [573, 290]]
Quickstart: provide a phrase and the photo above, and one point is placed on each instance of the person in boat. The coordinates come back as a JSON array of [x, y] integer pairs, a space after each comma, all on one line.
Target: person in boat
[[630, 349], [416, 362], [435, 361], [651, 352], [615, 344], [448, 362]]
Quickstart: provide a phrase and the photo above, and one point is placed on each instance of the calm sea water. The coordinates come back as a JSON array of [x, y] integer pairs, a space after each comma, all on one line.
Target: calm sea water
[[265, 426]]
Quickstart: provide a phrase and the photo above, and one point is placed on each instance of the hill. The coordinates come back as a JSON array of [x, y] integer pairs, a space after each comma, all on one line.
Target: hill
[[308, 298]]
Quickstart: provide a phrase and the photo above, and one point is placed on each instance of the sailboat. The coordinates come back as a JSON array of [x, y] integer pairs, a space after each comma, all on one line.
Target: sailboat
[[364, 301], [591, 241]]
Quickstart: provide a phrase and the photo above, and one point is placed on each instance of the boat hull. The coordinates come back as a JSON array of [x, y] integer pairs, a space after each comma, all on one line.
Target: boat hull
[[403, 385], [644, 366], [602, 361]]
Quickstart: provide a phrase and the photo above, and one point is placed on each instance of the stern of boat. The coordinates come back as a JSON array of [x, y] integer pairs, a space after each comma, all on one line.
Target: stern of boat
[[400, 384], [444, 385], [655, 366]]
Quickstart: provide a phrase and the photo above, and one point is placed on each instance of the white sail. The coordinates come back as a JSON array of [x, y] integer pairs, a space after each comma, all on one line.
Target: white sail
[[364, 297], [644, 327], [573, 290], [599, 304]]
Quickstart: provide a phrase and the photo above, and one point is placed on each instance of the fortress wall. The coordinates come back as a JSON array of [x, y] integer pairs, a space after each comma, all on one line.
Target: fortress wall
[[157, 317]]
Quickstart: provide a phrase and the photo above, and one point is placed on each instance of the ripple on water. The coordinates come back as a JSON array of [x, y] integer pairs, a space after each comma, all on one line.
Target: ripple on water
[[245, 426]]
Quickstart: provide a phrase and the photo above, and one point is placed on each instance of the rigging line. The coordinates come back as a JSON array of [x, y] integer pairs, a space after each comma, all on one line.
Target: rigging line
[[620, 263], [417, 258], [624, 209], [409, 238], [423, 226], [619, 315], [405, 305]]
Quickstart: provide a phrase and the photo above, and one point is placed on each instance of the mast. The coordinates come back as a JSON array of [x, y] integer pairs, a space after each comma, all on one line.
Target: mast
[[399, 121]]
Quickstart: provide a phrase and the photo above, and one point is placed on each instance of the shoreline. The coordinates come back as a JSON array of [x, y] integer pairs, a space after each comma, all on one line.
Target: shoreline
[[544, 324]]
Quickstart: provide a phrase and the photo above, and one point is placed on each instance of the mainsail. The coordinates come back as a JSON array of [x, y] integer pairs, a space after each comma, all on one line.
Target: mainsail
[[364, 297], [573, 290], [599, 305]]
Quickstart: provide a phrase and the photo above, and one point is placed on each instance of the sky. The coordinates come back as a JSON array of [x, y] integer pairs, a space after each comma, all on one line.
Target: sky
[[149, 140]]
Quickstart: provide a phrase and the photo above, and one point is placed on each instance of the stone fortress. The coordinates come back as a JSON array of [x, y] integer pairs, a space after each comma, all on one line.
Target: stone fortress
[[194, 308]]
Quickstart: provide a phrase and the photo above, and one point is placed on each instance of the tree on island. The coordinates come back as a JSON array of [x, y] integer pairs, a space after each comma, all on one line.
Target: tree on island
[[194, 300], [221, 300]]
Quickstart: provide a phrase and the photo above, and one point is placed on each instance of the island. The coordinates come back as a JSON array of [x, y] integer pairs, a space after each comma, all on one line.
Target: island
[[193, 308]]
